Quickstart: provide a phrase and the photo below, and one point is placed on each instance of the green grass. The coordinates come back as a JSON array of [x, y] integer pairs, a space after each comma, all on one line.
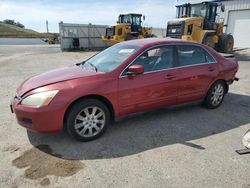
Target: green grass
[[11, 31]]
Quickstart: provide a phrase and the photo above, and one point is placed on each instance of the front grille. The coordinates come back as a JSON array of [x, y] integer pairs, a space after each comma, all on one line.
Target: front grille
[[110, 32], [175, 31]]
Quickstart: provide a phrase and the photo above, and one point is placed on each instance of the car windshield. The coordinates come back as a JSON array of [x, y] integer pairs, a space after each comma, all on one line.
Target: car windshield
[[110, 58]]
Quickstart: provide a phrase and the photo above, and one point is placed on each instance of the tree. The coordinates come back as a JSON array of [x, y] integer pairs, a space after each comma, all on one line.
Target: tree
[[11, 22], [18, 24]]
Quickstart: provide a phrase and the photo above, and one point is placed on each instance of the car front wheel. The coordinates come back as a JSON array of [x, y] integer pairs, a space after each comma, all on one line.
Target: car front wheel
[[87, 120], [215, 95]]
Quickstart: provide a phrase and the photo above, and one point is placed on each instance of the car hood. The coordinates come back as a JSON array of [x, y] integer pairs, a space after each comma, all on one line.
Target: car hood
[[54, 76]]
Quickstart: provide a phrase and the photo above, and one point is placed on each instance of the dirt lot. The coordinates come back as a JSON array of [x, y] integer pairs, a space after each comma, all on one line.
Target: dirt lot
[[186, 146]]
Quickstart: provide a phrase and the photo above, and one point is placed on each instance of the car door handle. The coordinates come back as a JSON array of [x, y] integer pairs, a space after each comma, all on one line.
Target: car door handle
[[170, 76], [211, 69]]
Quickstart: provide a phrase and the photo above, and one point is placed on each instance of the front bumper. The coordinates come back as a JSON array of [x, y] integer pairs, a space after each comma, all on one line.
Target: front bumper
[[44, 119]]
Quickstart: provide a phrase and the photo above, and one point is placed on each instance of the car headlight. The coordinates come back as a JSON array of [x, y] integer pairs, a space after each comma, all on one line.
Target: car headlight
[[39, 99]]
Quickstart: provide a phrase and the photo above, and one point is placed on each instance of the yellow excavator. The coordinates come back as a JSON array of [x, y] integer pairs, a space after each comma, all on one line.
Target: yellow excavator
[[128, 27], [201, 22]]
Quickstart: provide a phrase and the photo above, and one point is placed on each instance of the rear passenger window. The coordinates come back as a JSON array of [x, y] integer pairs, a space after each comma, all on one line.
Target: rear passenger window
[[192, 55], [209, 58]]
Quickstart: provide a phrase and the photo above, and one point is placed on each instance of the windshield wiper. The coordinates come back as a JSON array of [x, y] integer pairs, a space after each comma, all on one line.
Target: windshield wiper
[[81, 63], [93, 66]]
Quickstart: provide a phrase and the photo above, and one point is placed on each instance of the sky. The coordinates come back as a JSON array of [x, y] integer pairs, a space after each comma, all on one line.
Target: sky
[[34, 13]]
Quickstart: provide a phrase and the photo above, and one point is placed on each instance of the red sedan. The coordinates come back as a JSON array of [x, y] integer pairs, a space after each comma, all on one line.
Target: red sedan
[[129, 77]]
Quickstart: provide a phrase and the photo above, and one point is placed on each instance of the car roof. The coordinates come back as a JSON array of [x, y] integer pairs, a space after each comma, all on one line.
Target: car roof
[[156, 41]]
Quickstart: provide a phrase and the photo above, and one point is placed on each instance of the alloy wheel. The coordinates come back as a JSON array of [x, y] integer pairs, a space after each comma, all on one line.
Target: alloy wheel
[[89, 121], [217, 94]]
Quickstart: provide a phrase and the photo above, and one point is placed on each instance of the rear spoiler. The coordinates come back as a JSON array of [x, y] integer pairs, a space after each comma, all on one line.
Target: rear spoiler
[[227, 55]]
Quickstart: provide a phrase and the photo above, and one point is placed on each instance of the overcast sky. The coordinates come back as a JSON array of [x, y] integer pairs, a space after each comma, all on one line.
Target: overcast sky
[[34, 13]]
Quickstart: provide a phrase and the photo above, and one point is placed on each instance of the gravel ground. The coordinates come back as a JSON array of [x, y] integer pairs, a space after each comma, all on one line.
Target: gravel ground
[[185, 146]]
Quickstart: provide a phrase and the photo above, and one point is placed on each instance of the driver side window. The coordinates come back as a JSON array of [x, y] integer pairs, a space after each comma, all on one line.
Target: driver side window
[[159, 58]]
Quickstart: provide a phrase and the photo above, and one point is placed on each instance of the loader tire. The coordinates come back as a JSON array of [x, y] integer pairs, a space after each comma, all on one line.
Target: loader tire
[[226, 43], [208, 40], [131, 37]]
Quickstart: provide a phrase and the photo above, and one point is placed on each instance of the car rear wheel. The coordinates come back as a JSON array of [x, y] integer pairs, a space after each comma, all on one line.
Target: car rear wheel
[[87, 120], [215, 95]]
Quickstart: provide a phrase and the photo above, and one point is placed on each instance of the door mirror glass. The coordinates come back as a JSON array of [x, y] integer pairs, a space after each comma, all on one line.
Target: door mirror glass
[[135, 69]]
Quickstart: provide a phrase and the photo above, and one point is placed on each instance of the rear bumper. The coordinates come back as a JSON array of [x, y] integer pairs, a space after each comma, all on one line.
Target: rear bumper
[[44, 119], [231, 81]]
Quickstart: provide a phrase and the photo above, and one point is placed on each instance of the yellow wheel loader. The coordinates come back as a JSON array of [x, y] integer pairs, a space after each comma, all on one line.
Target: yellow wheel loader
[[201, 22], [53, 39], [129, 27]]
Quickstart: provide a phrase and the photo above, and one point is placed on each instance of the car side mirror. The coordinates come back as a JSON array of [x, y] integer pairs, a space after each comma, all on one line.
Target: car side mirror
[[135, 70]]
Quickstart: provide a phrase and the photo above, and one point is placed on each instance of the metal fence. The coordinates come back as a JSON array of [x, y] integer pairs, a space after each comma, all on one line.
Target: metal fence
[[159, 32]]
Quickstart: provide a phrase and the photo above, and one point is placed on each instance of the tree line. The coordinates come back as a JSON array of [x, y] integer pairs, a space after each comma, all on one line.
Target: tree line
[[12, 22]]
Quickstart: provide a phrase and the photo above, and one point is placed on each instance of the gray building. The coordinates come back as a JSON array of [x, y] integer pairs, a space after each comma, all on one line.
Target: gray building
[[81, 36], [237, 18]]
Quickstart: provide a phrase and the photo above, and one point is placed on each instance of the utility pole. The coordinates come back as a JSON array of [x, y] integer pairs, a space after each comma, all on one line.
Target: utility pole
[[47, 26]]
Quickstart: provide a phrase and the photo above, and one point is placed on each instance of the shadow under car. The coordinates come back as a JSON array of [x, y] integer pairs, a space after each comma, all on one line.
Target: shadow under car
[[137, 133]]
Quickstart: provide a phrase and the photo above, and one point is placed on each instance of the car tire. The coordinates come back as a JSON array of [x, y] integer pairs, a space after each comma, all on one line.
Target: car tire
[[87, 120], [215, 95]]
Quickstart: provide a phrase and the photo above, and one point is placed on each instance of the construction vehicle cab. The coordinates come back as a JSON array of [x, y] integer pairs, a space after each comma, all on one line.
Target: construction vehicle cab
[[129, 27], [134, 20], [201, 22]]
